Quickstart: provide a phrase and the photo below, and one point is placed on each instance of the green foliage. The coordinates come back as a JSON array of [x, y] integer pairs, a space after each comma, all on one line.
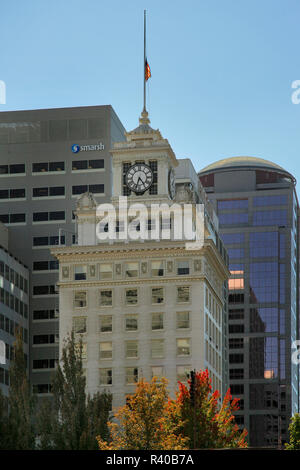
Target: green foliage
[[294, 429], [19, 429], [72, 420]]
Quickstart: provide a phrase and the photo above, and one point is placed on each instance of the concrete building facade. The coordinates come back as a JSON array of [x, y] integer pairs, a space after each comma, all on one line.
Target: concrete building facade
[[47, 158], [145, 307]]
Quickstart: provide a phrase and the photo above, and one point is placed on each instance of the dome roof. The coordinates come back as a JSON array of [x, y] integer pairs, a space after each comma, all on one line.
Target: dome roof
[[243, 162]]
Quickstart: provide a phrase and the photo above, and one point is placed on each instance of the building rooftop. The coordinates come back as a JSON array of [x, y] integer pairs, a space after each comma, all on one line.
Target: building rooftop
[[243, 162]]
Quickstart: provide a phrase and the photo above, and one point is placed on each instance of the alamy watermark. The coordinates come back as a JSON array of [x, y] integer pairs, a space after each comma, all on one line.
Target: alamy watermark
[[2, 92], [296, 94], [157, 221]]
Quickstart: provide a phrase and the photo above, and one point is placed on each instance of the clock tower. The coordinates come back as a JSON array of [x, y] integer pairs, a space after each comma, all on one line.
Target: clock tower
[[143, 165]]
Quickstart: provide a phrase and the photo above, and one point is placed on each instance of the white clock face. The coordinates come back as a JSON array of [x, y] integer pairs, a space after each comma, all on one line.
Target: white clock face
[[139, 177], [172, 187]]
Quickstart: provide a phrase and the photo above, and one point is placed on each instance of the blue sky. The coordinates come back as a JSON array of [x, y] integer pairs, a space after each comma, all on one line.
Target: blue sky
[[221, 70]]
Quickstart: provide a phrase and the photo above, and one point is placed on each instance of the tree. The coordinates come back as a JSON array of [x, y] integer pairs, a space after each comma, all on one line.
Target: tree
[[207, 424], [3, 420], [21, 403], [148, 421], [71, 420], [294, 429]]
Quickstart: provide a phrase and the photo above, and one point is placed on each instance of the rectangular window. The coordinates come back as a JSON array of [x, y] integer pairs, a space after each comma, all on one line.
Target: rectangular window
[[17, 168], [80, 299], [157, 348], [57, 191], [40, 167], [131, 375], [40, 216], [56, 166], [80, 273], [17, 218], [40, 192], [157, 321], [17, 193], [157, 268], [96, 188], [83, 351], [79, 189], [182, 320], [183, 347], [131, 296], [57, 215], [183, 267], [131, 349], [157, 371], [79, 325], [157, 295], [131, 323], [183, 373], [106, 324], [95, 164], [106, 350], [105, 376], [132, 270], [106, 271], [79, 165], [183, 294], [106, 298]]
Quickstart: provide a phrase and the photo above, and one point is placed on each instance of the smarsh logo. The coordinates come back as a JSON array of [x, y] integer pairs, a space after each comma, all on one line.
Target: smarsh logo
[[75, 148]]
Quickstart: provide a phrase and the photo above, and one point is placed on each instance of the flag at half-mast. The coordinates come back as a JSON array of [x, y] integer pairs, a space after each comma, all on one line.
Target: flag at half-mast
[[147, 70]]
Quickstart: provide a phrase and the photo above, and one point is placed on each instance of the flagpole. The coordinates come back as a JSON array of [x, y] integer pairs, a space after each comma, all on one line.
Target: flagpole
[[144, 68]]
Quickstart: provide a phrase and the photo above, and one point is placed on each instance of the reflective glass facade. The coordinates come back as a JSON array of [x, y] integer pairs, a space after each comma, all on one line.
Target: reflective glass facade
[[259, 227]]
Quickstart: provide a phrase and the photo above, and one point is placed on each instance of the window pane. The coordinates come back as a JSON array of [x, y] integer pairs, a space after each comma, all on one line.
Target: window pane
[[106, 271], [56, 166], [80, 189], [182, 320], [57, 215], [131, 323], [131, 349], [106, 350], [17, 218], [105, 376], [79, 325], [57, 191], [79, 165], [39, 167], [39, 192], [131, 375], [157, 295], [96, 188], [183, 347], [18, 168], [131, 296], [80, 299], [106, 323], [106, 297], [16, 193], [183, 267], [80, 272], [157, 268], [183, 294], [132, 269], [157, 348], [157, 321], [96, 163]]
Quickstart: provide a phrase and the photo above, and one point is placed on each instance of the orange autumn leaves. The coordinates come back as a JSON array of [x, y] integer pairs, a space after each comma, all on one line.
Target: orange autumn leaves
[[152, 421]]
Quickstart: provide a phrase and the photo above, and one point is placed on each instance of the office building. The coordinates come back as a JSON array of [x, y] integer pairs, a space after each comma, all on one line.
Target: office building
[[144, 306], [14, 285], [47, 158], [257, 207]]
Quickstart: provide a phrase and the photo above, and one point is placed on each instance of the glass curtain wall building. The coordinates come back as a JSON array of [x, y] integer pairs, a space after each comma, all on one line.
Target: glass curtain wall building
[[257, 206]]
